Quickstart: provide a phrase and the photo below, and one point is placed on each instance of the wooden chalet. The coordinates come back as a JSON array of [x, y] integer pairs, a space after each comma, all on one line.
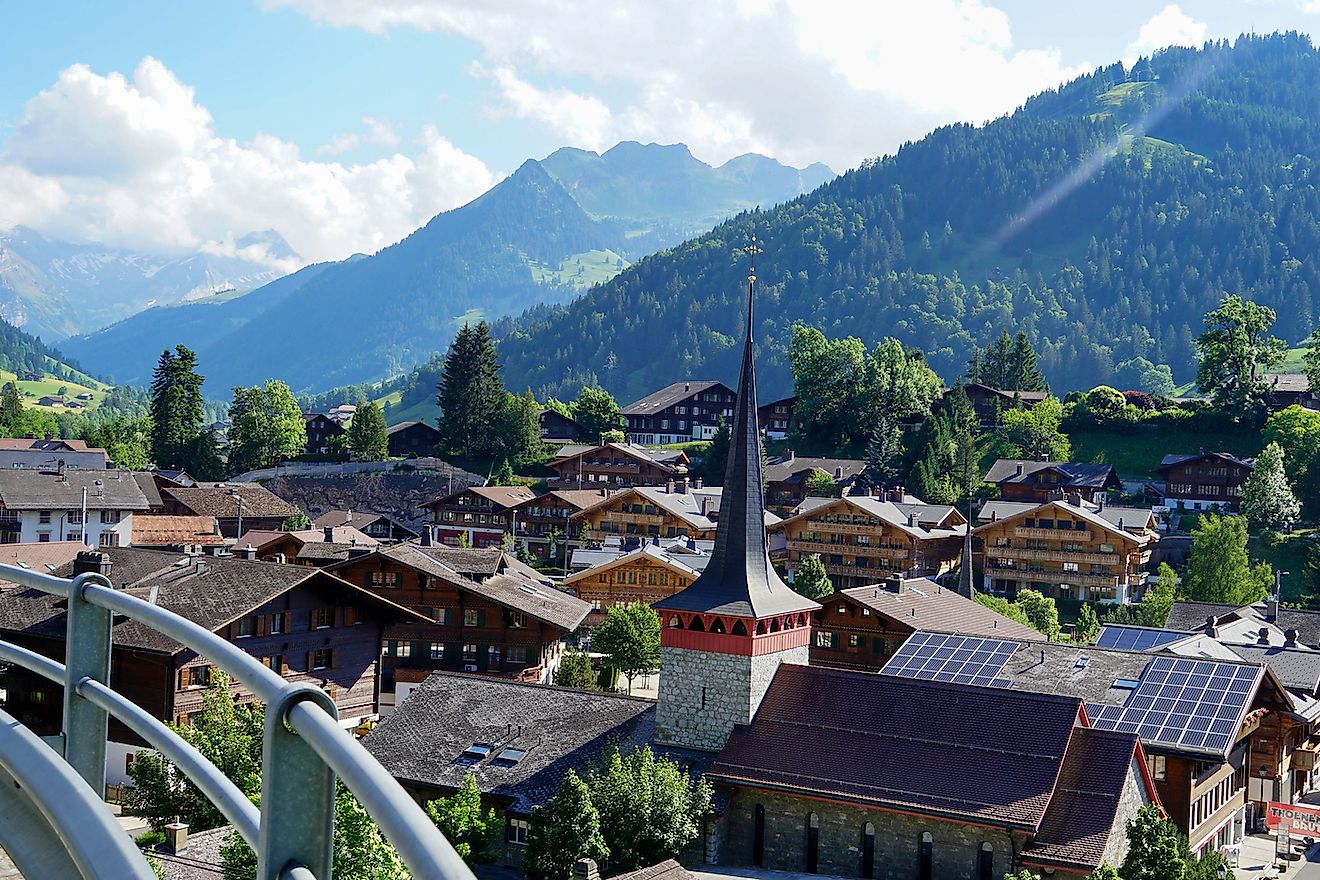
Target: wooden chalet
[[412, 439], [479, 515], [1204, 480], [616, 465], [679, 413], [251, 504], [776, 417], [545, 524], [321, 431], [1042, 481]]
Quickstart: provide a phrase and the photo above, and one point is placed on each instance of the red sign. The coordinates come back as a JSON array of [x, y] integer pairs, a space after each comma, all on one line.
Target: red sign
[[1295, 817]]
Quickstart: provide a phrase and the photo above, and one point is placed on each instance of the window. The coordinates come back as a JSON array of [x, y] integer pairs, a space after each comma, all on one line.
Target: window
[[824, 639], [516, 831], [191, 677], [1158, 770], [389, 579], [275, 663], [854, 641], [322, 618], [474, 617], [868, 850], [74, 517], [925, 856], [277, 623], [758, 836], [73, 536], [323, 658], [437, 650], [470, 653], [246, 627], [492, 656], [985, 861], [43, 537], [109, 539], [518, 655], [517, 619], [109, 517]]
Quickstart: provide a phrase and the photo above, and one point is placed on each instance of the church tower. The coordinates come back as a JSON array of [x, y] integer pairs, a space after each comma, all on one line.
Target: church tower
[[723, 638]]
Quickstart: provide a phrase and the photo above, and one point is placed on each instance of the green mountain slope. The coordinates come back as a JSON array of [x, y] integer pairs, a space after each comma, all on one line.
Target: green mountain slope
[[527, 241], [1103, 218]]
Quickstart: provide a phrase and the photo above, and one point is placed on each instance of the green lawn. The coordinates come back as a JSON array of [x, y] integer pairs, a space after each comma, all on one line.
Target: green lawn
[[1290, 555], [1137, 450], [581, 270], [50, 386]]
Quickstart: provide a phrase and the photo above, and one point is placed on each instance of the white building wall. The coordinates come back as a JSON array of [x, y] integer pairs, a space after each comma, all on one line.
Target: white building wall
[[63, 525]]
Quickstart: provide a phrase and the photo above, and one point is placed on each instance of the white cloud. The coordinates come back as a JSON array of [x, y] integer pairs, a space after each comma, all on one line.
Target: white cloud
[[1168, 27], [803, 80], [137, 163], [378, 132]]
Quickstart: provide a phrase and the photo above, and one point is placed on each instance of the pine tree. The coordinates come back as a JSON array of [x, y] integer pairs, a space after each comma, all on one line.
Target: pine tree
[[1024, 367], [471, 395], [176, 406], [884, 454], [575, 671], [368, 437], [11, 409], [566, 829], [1268, 501]]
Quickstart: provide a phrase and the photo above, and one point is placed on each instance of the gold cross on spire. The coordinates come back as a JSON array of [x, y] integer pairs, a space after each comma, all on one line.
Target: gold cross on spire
[[752, 250]]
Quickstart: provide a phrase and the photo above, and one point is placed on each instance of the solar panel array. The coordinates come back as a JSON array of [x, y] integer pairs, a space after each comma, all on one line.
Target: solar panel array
[[1183, 703], [959, 659], [1135, 638]]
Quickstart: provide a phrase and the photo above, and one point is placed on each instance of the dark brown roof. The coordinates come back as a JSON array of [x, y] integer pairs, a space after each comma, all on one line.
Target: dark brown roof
[[1176, 459], [209, 591], [925, 605], [1081, 815], [1082, 474], [503, 497], [147, 483], [404, 426], [670, 395], [970, 753], [422, 742], [221, 500]]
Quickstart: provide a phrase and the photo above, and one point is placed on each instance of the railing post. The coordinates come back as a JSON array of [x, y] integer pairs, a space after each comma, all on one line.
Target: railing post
[[86, 655], [297, 794]]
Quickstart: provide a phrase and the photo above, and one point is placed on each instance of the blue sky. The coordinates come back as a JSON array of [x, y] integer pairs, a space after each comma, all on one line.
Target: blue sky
[[344, 124]]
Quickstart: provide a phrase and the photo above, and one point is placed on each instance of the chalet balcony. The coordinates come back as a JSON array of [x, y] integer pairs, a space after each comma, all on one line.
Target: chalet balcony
[[845, 528], [861, 571], [814, 546], [1055, 555], [641, 519], [1052, 534]]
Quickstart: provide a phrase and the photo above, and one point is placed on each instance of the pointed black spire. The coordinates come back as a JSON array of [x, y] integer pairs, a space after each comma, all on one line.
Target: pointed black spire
[[965, 587], [739, 579]]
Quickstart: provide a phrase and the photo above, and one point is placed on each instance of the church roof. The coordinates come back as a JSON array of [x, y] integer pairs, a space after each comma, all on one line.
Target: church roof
[[739, 580]]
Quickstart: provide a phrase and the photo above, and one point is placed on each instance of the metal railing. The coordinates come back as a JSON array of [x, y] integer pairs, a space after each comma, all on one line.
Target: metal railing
[[56, 823]]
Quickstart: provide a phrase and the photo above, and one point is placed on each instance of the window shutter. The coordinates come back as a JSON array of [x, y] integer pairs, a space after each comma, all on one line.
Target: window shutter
[[263, 625], [185, 678], [338, 616], [366, 579], [350, 615], [284, 666], [311, 620], [309, 662], [481, 617], [834, 640], [334, 658]]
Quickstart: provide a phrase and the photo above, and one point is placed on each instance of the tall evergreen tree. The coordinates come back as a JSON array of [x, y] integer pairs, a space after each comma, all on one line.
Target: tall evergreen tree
[[471, 395], [1268, 501], [11, 409], [368, 437], [884, 456], [176, 406]]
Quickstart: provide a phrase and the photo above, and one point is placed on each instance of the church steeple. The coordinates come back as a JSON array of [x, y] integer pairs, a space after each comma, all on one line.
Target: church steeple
[[724, 637], [739, 579], [965, 584]]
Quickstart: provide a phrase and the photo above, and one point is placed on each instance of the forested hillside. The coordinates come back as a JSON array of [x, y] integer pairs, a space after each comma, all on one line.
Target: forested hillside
[[1103, 219]]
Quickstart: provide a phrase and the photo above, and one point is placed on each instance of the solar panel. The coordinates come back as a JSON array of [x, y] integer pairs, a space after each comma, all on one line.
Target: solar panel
[[1135, 638], [958, 659], [1183, 703]]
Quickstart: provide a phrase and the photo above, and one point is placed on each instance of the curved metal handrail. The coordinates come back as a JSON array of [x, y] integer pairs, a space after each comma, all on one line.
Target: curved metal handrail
[[402, 821]]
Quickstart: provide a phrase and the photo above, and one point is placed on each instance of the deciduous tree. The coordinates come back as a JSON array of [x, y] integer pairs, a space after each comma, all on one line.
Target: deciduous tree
[[1041, 612], [464, 824], [566, 829], [1232, 355], [1218, 568], [630, 636], [1035, 433], [266, 427], [810, 579], [1153, 610], [1297, 430], [518, 428], [596, 412], [1268, 501], [1088, 625], [575, 671], [1155, 848]]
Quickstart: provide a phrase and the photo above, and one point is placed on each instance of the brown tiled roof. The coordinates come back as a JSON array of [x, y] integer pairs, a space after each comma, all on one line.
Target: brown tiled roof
[[220, 500], [925, 605], [977, 754], [209, 591], [44, 557], [503, 497], [1081, 814], [159, 531]]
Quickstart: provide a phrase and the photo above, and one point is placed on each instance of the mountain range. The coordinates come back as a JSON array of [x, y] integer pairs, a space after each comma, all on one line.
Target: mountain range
[[55, 289], [542, 235], [1103, 218]]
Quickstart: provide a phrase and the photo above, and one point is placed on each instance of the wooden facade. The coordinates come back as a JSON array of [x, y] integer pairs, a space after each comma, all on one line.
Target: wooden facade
[[1204, 481], [616, 466], [633, 512], [644, 575], [468, 632], [863, 540], [481, 514], [1066, 552], [546, 520], [412, 439], [321, 430]]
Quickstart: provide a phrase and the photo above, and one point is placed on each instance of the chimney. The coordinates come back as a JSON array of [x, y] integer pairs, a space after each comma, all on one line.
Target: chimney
[[427, 536], [247, 552], [1290, 638], [586, 869], [1075, 499], [91, 562], [1019, 469], [1100, 502], [348, 518], [838, 472], [700, 483], [788, 455], [669, 487], [1263, 636], [894, 584], [358, 552], [329, 534], [687, 386], [683, 486], [1272, 608], [176, 837], [1211, 628]]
